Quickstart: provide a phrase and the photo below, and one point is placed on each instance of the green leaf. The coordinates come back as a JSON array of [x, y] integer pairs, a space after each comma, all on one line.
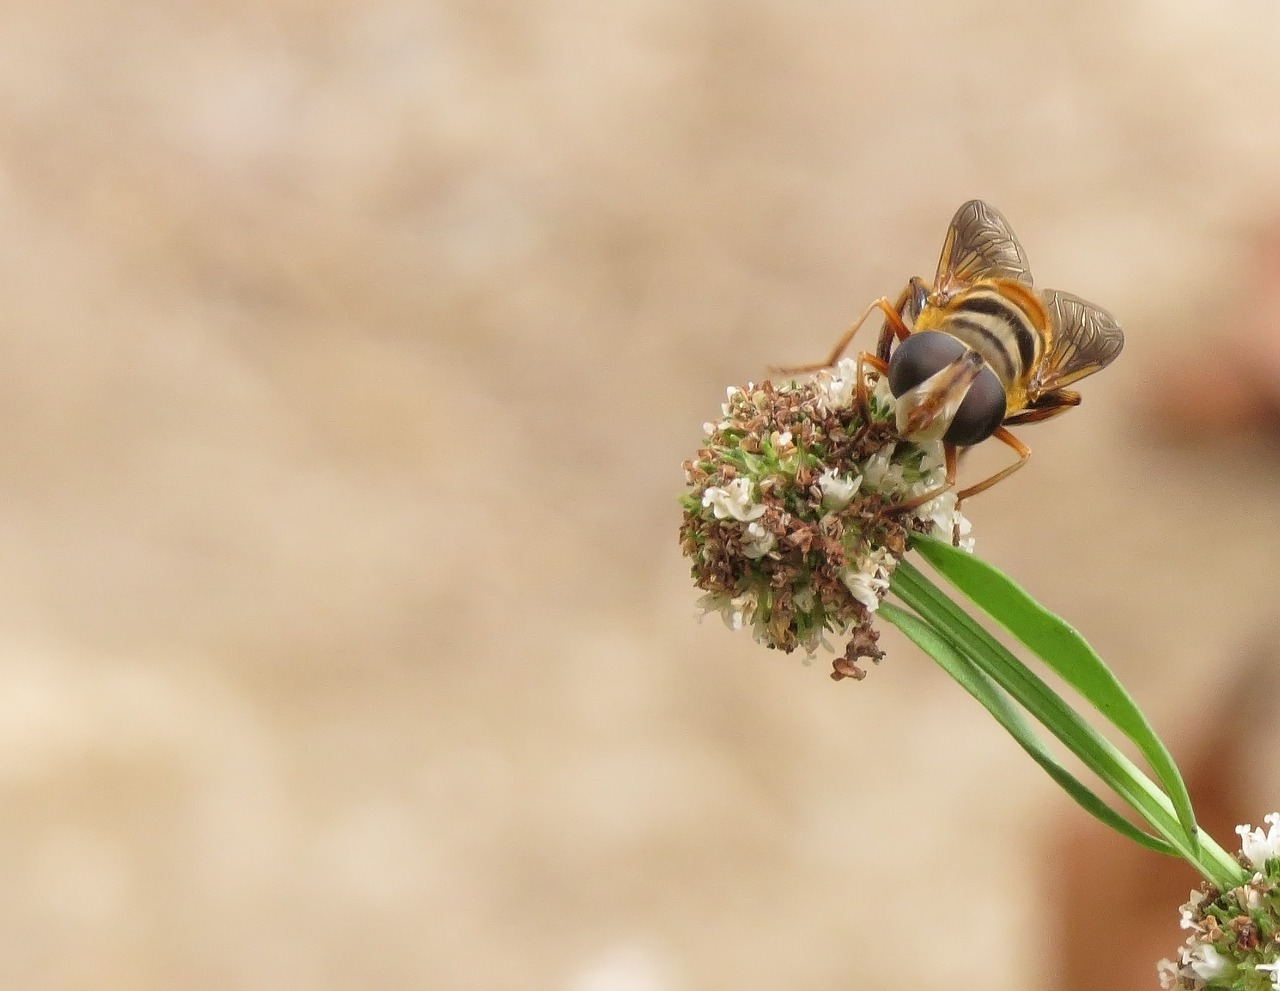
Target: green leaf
[[1096, 752], [1065, 652], [977, 684]]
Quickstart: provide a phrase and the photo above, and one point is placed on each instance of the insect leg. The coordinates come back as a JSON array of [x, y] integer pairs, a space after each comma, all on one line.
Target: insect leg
[[949, 459], [1024, 453], [1048, 405], [841, 345], [913, 296], [864, 405], [949, 452]]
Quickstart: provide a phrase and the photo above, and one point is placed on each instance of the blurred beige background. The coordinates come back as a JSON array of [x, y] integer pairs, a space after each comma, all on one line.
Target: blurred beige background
[[349, 352]]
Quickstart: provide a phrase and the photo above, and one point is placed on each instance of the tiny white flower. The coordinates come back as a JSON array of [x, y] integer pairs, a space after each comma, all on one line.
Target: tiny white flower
[[1259, 847], [733, 501], [816, 639], [869, 580], [1190, 910], [933, 468], [708, 428], [735, 612], [882, 392], [946, 520], [835, 386], [881, 475], [837, 490], [1167, 971], [758, 541], [1207, 962], [709, 603], [833, 393], [863, 587], [742, 610], [1275, 973], [847, 367]]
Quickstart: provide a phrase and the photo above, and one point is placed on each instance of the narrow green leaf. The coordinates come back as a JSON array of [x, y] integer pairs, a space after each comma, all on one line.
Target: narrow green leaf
[[977, 684], [1031, 692], [1067, 653], [1094, 750]]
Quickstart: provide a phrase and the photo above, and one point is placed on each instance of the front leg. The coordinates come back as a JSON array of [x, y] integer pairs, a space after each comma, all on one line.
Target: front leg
[[860, 390], [913, 296], [1024, 454], [891, 317]]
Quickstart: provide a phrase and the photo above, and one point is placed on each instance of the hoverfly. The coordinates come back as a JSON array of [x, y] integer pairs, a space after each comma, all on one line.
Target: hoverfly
[[985, 350]]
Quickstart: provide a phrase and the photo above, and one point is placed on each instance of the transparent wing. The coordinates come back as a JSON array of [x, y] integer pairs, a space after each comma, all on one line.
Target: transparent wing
[[979, 244], [1086, 339]]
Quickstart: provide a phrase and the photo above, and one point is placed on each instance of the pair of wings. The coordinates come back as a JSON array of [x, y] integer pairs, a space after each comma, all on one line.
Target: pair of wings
[[981, 245]]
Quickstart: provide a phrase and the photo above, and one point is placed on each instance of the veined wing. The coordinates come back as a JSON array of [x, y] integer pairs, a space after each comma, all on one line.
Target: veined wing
[[1086, 339], [979, 244]]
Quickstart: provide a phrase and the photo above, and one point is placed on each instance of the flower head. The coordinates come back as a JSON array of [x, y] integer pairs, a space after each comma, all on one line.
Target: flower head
[[1235, 935], [800, 505]]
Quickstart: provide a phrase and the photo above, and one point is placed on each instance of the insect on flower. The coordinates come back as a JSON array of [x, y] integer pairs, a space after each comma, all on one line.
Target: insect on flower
[[981, 350]]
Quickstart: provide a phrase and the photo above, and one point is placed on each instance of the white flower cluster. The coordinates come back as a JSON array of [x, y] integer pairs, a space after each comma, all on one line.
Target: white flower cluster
[[1259, 847], [1201, 961], [896, 472], [733, 501]]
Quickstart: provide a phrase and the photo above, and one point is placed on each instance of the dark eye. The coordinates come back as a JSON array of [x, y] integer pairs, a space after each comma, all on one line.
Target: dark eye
[[920, 356], [980, 413]]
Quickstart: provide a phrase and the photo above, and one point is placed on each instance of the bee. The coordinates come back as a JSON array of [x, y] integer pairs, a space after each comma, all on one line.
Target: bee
[[981, 350]]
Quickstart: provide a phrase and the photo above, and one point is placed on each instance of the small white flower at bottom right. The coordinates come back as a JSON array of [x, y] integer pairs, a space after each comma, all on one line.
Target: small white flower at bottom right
[[1275, 973]]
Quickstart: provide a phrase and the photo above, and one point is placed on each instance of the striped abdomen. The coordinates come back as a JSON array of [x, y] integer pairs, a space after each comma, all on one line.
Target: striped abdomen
[[1006, 325]]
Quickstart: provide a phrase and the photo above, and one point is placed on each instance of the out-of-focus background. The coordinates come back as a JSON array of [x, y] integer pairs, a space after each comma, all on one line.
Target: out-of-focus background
[[349, 352]]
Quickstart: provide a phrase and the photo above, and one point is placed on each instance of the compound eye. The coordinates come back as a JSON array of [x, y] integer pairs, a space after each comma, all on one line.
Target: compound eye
[[981, 412], [921, 356]]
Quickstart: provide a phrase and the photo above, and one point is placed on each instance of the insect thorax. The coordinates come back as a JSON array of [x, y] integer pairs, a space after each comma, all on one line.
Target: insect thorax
[[1004, 323]]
